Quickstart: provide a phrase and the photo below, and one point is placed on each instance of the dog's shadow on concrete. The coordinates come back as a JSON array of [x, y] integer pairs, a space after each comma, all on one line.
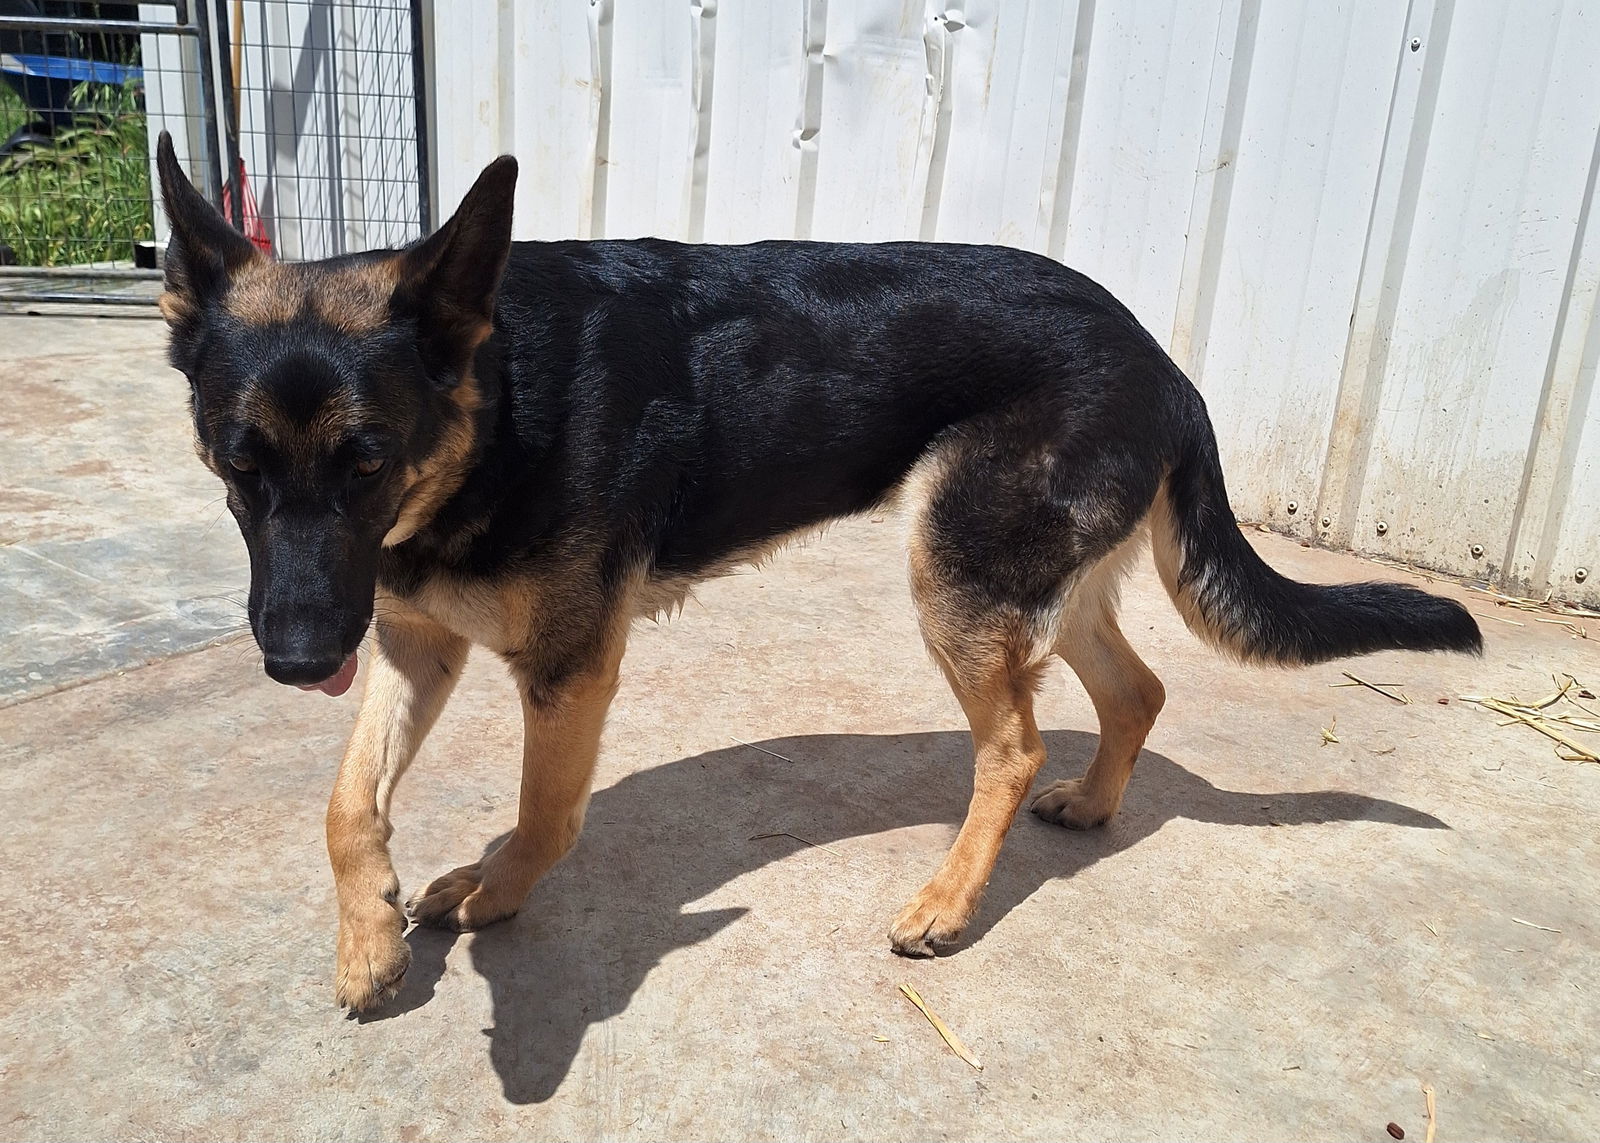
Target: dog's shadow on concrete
[[663, 838]]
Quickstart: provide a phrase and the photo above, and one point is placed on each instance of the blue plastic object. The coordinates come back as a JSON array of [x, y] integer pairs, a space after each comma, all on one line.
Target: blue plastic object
[[72, 71], [45, 85]]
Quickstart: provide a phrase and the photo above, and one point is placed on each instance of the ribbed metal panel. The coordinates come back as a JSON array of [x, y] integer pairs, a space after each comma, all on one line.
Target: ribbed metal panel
[[1363, 228]]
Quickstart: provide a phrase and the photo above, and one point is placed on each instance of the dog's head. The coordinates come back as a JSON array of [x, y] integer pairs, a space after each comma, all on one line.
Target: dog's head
[[335, 400]]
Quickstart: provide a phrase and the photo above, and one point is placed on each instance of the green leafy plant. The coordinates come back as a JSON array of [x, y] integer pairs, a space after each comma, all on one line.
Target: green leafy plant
[[12, 113], [85, 195]]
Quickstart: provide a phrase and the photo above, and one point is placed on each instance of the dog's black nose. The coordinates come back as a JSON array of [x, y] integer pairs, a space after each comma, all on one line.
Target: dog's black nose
[[302, 671]]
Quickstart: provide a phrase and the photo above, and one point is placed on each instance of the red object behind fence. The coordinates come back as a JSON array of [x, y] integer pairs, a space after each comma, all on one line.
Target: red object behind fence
[[254, 229]]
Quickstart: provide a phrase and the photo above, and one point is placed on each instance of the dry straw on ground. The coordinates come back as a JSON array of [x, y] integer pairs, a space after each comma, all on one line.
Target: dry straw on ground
[[1552, 716], [941, 1027]]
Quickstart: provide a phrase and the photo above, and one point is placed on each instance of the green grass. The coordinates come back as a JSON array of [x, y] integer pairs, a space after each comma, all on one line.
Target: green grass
[[85, 197], [12, 113]]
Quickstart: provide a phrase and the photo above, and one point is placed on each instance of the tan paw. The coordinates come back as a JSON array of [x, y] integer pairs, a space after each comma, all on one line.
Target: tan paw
[[459, 901], [931, 921], [373, 958], [1065, 803]]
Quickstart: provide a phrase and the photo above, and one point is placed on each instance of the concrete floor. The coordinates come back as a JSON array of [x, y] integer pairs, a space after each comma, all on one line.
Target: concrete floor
[[1276, 939]]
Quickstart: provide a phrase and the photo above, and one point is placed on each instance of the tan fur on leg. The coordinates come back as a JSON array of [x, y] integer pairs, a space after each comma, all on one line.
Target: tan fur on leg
[[993, 668], [1126, 694], [561, 742], [413, 668]]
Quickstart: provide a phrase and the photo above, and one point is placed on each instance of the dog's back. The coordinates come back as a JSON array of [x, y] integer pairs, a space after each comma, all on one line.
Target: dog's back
[[713, 399]]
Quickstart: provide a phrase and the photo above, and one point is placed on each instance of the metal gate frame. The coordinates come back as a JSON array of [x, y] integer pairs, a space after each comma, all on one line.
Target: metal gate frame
[[361, 98], [217, 143], [188, 22]]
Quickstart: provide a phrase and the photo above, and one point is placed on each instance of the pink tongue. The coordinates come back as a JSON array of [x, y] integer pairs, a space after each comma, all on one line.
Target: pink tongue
[[340, 682]]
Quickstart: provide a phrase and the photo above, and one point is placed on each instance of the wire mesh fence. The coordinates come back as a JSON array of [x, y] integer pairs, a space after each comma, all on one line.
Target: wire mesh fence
[[302, 120], [75, 157], [324, 129]]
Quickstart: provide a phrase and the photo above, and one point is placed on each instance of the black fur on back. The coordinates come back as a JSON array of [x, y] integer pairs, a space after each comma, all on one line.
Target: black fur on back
[[684, 403]]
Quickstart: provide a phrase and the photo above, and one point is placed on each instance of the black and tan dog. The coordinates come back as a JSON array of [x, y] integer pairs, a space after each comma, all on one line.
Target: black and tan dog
[[528, 446]]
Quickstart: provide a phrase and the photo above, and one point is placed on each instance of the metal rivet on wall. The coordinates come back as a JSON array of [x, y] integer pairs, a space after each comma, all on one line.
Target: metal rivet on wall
[[1416, 45], [1580, 574], [1326, 522], [1477, 551], [1383, 527], [1293, 506]]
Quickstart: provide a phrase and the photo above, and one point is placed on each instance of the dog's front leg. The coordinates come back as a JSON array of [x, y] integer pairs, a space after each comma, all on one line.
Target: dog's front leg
[[562, 721], [414, 666]]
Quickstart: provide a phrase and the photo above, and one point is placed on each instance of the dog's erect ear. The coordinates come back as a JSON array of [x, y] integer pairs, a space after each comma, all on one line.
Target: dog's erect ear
[[449, 280], [204, 251]]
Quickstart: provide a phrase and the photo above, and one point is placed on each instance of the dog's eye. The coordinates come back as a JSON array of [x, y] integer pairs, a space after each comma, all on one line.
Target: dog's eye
[[369, 467], [241, 464]]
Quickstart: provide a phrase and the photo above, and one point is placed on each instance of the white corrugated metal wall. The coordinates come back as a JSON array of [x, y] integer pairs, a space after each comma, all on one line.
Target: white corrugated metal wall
[[1362, 227]]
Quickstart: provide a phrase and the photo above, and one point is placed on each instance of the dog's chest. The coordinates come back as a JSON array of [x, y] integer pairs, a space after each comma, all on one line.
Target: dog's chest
[[494, 614]]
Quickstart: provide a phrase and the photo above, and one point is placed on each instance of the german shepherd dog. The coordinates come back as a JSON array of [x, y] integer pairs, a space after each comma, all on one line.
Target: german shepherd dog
[[529, 445]]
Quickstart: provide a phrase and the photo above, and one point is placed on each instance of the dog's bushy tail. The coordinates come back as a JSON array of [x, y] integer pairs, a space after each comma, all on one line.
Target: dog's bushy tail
[[1234, 601]]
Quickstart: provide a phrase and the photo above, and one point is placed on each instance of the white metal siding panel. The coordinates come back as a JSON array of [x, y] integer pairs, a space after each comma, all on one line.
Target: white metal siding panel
[[1375, 261], [1497, 217], [1557, 542], [753, 165], [1144, 107], [879, 109], [650, 155], [519, 79], [1009, 71], [1569, 544], [1305, 172], [554, 118], [470, 50]]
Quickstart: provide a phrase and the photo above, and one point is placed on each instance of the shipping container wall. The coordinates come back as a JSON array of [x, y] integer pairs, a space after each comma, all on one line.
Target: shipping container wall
[[1362, 227]]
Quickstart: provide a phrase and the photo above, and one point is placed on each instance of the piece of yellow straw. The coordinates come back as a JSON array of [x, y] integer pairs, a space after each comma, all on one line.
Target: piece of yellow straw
[[941, 1027]]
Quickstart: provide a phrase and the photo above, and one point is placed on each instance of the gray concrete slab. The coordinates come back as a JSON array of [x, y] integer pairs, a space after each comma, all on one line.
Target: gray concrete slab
[[1277, 938], [115, 547]]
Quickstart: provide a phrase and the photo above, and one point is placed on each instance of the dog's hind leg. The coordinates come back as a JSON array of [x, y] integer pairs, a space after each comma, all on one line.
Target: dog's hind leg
[[1013, 516], [1126, 694], [412, 669], [993, 663]]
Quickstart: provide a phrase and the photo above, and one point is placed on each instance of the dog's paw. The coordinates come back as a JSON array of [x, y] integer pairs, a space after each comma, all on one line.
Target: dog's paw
[[373, 958], [930, 923], [1065, 803], [459, 901]]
